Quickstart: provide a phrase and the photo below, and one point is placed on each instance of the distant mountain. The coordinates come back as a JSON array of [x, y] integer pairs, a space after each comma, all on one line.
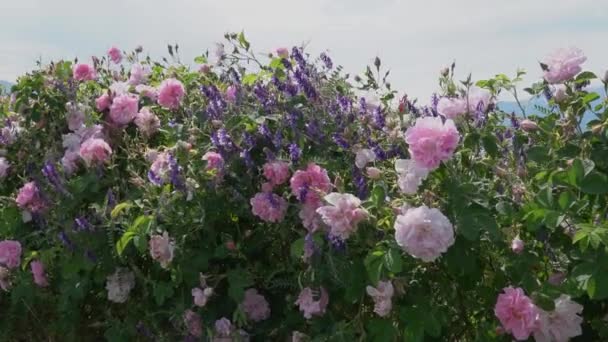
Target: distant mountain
[[5, 86]]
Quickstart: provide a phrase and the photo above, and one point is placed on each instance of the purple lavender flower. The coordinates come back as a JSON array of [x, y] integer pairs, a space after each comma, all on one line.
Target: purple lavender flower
[[340, 141], [304, 84], [378, 117], [50, 172], [296, 54], [336, 243], [66, 241], [294, 153], [360, 184], [82, 224], [326, 60], [174, 173], [264, 130]]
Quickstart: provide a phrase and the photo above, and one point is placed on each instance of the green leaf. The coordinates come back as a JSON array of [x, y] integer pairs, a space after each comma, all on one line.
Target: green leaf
[[566, 199], [200, 60], [595, 184], [242, 41], [539, 154], [590, 98], [162, 292], [585, 76], [544, 301], [297, 249], [378, 196], [250, 79], [393, 261], [238, 280], [544, 197], [373, 265], [143, 221], [490, 145], [380, 330], [119, 208], [576, 172], [597, 287]]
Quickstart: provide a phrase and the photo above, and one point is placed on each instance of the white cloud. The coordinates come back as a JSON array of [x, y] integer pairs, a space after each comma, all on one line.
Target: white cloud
[[413, 38]]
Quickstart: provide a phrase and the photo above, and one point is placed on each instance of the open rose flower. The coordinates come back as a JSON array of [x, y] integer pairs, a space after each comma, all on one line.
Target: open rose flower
[[255, 306], [312, 303], [29, 198], [276, 172], [10, 253], [161, 249], [431, 141], [123, 109], [147, 122], [561, 324], [517, 313], [37, 268], [342, 215], [269, 207], [451, 107], [563, 64], [95, 151], [115, 55], [171, 93], [83, 72], [382, 296]]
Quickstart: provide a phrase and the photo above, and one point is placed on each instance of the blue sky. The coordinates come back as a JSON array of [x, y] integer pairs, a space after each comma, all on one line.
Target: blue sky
[[415, 37]]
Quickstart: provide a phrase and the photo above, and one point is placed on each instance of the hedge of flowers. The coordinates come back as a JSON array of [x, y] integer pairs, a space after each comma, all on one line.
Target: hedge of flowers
[[276, 198]]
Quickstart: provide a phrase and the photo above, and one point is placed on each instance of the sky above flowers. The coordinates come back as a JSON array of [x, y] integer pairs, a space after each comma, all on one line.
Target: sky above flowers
[[415, 38]]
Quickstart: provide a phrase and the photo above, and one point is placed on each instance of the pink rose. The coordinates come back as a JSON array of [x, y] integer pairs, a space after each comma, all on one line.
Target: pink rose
[[382, 296], [479, 99], [139, 74], [561, 324], [563, 64], [343, 215], [276, 172], [517, 313], [282, 52], [311, 306], [115, 55], [432, 141], [255, 306], [161, 249], [75, 115], [147, 122], [38, 272], [214, 160], [306, 185], [83, 72], [95, 151], [373, 172], [103, 102], [308, 214], [410, 175], [517, 245], [29, 198], [147, 91], [10, 253], [170, 93], [363, 157], [123, 109], [424, 233], [193, 323], [231, 94], [451, 107], [70, 162], [268, 206], [200, 296]]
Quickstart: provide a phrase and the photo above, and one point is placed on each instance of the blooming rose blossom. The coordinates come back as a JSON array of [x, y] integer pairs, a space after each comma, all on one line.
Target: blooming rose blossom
[[363, 157], [200, 296], [83, 72], [37, 268], [305, 185], [95, 151], [559, 93], [424, 233], [309, 216], [517, 313], [193, 323], [69, 162], [282, 52], [556, 278], [160, 168], [255, 306], [431, 141], [231, 92], [563, 64], [170, 93], [373, 172], [120, 284], [139, 74], [29, 198], [276, 172], [382, 296], [214, 160], [75, 115], [410, 175], [309, 306], [10, 253], [343, 215], [120, 88], [268, 206], [147, 91], [562, 323], [123, 109], [4, 166], [478, 99], [147, 122], [161, 249], [115, 55], [528, 125], [103, 102], [451, 107], [223, 330], [517, 245]]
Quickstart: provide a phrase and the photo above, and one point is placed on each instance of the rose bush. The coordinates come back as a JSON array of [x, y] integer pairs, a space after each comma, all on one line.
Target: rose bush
[[275, 199]]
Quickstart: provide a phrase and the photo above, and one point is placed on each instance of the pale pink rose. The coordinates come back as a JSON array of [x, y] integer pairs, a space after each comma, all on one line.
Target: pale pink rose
[[83, 72], [70, 162], [563, 64], [311, 306], [120, 88], [139, 74], [123, 109], [10, 253], [103, 102], [171, 93], [276, 172], [561, 324], [309, 216], [559, 93], [75, 115], [528, 125], [382, 296], [517, 313], [517, 245], [37, 268], [255, 306], [424, 233], [343, 215], [147, 122], [115, 55], [193, 323], [432, 141], [478, 99], [410, 175], [223, 328], [147, 91], [214, 160], [29, 198], [5, 281], [4, 166], [556, 278], [282, 52], [269, 207], [306, 185], [161, 249], [95, 151], [231, 93], [373, 172], [451, 107], [160, 168], [200, 296], [119, 284], [363, 157]]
